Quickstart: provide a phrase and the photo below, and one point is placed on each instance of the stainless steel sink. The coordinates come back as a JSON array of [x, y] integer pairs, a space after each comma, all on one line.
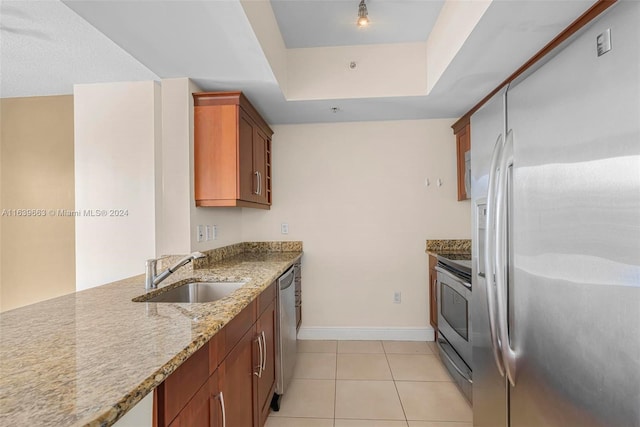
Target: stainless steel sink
[[195, 292]]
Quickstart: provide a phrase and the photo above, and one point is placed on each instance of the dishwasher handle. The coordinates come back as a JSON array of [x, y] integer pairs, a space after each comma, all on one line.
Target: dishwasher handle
[[287, 279]]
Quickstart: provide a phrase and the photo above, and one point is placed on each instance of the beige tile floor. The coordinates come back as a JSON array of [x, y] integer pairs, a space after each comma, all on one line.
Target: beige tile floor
[[370, 384]]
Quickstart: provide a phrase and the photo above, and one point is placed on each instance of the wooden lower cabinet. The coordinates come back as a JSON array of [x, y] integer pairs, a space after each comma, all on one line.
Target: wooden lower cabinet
[[204, 409], [266, 383], [236, 381], [181, 388], [239, 389], [433, 293], [298, 267]]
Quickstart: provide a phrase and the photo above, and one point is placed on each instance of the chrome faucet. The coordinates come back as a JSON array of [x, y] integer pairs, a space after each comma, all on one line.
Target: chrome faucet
[[152, 279]]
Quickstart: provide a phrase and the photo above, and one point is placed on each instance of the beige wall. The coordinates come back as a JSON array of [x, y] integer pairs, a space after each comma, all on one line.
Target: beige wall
[[36, 173], [355, 194]]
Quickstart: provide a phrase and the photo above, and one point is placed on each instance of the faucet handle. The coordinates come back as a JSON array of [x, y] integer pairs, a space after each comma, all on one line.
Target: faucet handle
[[150, 273]]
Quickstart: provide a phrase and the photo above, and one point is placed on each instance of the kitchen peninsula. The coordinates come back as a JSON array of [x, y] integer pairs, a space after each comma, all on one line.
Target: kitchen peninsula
[[87, 358]]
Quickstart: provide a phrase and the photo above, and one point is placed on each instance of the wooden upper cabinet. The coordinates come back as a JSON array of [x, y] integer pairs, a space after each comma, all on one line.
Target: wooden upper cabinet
[[232, 152], [462, 132], [262, 165]]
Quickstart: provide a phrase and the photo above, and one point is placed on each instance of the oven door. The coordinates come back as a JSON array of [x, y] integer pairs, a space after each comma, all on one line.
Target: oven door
[[454, 304]]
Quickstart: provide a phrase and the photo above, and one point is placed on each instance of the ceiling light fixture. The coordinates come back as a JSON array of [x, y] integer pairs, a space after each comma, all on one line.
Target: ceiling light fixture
[[363, 18]]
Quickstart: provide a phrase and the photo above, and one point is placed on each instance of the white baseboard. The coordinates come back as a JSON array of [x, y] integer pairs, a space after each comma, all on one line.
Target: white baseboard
[[351, 333]]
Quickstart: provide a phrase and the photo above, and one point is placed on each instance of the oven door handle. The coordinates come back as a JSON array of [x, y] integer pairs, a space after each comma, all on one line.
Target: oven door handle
[[452, 277], [451, 361]]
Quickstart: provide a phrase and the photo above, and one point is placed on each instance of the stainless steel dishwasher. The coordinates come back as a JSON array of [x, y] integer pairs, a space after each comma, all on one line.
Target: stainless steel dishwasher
[[286, 348]]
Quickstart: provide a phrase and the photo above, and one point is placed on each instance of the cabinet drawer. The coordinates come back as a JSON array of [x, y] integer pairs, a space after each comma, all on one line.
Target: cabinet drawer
[[176, 391], [234, 330], [266, 297]]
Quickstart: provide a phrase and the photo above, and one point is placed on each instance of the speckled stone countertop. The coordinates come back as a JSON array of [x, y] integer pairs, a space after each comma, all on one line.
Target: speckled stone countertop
[[84, 359], [458, 246]]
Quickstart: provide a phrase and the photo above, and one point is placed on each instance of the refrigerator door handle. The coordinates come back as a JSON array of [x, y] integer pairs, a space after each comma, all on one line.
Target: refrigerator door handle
[[490, 252], [508, 355]]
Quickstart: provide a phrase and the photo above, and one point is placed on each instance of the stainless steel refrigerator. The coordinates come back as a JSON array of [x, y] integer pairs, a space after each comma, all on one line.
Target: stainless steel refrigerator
[[555, 167]]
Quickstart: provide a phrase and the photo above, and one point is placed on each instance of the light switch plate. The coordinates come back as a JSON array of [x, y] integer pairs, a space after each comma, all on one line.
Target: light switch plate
[[200, 233], [603, 42], [208, 233], [397, 297], [284, 228]]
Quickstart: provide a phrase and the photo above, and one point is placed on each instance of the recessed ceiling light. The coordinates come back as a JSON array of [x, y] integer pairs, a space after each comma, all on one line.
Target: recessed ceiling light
[[363, 15]]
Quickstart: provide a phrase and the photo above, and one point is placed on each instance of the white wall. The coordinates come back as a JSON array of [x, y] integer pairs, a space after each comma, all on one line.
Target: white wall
[[116, 136], [134, 151], [381, 70], [174, 213], [264, 25], [456, 21], [355, 194]]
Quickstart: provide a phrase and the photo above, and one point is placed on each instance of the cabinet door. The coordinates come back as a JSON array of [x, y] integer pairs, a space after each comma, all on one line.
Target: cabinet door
[[260, 142], [433, 293], [247, 178], [181, 387], [197, 412], [217, 403], [298, 295], [236, 381], [215, 152], [266, 328]]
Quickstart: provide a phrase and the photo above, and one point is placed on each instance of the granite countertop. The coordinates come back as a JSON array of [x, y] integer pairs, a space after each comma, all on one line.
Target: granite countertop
[[442, 247], [86, 358]]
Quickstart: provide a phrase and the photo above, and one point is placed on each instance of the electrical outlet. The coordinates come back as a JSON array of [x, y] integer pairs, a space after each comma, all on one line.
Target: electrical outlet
[[208, 232], [284, 228], [397, 297], [200, 233]]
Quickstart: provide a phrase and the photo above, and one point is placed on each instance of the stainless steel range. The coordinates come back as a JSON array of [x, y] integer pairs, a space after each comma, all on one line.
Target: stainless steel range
[[454, 317]]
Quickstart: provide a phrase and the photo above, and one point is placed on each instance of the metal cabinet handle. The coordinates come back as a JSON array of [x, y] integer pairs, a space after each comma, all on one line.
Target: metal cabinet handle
[[264, 344], [260, 183], [259, 373], [220, 397], [501, 250], [257, 174], [489, 250]]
